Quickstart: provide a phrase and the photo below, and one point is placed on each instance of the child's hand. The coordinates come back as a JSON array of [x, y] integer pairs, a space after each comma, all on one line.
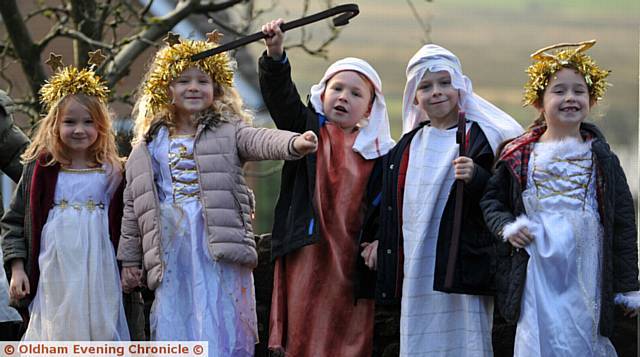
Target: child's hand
[[464, 168], [370, 254], [131, 278], [521, 238], [275, 41], [19, 286], [306, 143]]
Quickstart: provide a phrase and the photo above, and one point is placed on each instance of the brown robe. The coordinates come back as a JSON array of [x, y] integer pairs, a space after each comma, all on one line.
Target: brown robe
[[312, 308]]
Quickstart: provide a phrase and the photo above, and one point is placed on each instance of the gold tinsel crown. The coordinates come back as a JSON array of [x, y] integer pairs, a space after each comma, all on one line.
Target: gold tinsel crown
[[71, 80], [565, 55], [174, 59]]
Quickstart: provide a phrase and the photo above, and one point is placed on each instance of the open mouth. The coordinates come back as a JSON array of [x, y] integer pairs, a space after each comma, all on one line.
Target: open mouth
[[571, 109], [340, 108]]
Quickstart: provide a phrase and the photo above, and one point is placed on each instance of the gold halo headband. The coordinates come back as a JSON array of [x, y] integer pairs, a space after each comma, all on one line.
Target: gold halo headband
[[71, 80], [542, 53], [567, 54], [173, 59]]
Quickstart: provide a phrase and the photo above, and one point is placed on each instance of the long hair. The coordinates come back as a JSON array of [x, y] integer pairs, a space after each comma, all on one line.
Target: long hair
[[226, 102], [47, 137]]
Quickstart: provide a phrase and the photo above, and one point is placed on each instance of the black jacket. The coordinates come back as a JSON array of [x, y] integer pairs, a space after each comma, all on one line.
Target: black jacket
[[295, 218], [475, 267], [502, 203]]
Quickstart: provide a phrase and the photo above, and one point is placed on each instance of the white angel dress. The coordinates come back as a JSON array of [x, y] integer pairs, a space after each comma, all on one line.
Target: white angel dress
[[561, 299], [79, 296]]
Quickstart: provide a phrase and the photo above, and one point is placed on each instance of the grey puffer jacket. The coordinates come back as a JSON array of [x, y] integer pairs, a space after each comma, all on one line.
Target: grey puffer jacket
[[221, 148]]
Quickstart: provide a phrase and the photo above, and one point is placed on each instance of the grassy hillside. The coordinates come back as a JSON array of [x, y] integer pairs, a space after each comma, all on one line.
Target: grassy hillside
[[493, 39]]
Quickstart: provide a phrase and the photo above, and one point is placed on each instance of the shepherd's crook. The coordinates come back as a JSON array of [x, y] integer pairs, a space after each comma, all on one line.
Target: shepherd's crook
[[457, 210], [345, 12]]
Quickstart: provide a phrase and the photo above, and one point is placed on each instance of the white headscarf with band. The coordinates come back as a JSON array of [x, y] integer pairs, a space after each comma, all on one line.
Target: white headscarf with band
[[497, 125], [374, 140]]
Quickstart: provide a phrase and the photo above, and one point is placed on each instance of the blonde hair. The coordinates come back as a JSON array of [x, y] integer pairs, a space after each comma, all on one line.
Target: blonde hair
[[226, 102], [47, 137]]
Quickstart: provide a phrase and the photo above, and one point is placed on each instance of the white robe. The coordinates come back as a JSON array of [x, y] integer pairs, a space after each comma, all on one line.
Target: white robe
[[433, 323]]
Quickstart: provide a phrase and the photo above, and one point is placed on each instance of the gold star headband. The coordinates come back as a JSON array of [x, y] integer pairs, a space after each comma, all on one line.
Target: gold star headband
[[71, 80], [175, 58], [565, 55]]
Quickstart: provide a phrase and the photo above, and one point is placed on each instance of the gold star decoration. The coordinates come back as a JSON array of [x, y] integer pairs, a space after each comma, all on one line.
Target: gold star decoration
[[171, 39], [96, 57], [54, 61], [214, 36]]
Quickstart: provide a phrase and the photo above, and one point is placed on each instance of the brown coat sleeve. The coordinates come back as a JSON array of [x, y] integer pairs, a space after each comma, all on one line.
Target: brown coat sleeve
[[255, 144]]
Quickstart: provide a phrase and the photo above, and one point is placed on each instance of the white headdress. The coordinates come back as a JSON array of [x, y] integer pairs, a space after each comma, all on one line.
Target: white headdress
[[374, 140], [496, 124]]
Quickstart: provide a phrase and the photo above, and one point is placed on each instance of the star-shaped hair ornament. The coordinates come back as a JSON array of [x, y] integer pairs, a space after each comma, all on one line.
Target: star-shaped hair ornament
[[71, 80], [170, 61], [54, 61], [96, 58], [549, 60], [214, 36], [171, 39]]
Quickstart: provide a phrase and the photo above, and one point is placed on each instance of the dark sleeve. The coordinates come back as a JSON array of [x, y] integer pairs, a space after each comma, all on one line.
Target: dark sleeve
[[13, 142], [495, 203], [625, 247], [475, 187], [14, 245], [482, 156], [281, 96]]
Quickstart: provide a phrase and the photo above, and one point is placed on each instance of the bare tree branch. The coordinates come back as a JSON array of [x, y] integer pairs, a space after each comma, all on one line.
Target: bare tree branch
[[117, 67], [425, 25], [210, 6], [145, 10], [82, 38], [84, 17], [23, 45], [49, 11], [121, 29], [53, 33], [7, 50]]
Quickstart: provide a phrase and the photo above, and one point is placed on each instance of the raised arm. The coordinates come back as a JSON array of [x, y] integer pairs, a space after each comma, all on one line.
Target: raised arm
[[278, 90]]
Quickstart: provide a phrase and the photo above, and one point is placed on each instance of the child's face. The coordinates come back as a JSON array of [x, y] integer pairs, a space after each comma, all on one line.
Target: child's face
[[78, 130], [565, 102], [437, 96], [346, 99], [192, 91]]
